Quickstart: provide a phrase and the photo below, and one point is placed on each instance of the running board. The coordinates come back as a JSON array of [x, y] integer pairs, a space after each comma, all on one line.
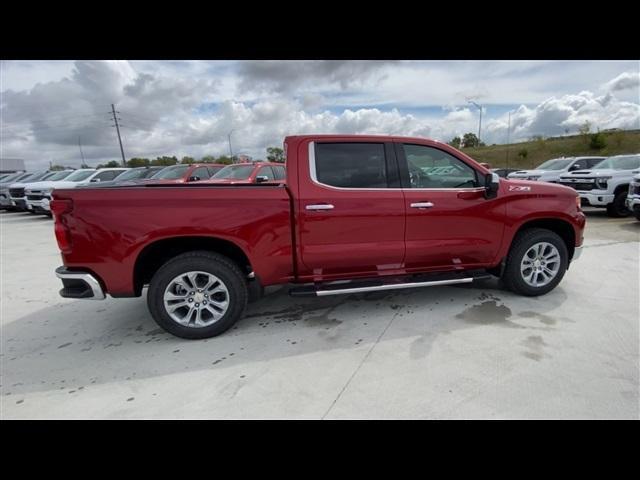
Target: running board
[[378, 285]]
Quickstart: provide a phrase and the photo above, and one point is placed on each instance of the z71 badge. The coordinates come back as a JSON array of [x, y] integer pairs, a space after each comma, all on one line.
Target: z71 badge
[[519, 188]]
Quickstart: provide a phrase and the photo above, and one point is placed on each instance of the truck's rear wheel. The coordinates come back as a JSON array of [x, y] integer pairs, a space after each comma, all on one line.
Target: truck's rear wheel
[[197, 295], [536, 262], [619, 208]]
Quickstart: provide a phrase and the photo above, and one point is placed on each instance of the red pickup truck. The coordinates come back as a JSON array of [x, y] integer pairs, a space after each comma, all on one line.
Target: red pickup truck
[[355, 214]]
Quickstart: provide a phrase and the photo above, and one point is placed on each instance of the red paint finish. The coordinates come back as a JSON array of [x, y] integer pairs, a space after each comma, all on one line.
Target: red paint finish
[[368, 232]]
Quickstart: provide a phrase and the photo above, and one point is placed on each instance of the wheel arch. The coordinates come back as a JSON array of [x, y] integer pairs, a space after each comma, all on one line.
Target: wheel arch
[[157, 253], [561, 227]]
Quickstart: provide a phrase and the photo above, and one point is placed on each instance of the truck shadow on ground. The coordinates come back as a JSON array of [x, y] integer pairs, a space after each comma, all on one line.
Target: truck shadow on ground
[[73, 345]]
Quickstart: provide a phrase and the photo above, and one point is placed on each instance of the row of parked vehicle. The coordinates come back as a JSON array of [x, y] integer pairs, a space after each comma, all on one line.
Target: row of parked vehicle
[[605, 182], [31, 191]]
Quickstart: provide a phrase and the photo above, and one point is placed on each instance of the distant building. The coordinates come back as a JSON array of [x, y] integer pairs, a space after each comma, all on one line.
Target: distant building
[[8, 165]]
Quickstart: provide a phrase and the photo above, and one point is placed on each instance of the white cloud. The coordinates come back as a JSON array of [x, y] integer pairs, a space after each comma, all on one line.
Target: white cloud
[[189, 108]]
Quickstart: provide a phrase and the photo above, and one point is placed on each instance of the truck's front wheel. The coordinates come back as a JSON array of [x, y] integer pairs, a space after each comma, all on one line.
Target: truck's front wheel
[[536, 263], [619, 208], [197, 295]]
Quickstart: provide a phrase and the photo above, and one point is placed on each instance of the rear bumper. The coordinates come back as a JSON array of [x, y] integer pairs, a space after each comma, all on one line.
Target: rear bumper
[[596, 199], [79, 285]]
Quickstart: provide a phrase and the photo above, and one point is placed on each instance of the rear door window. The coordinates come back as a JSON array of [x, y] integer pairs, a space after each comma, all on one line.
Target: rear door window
[[350, 165]]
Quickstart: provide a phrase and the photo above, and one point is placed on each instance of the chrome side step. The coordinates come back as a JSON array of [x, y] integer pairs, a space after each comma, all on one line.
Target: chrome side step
[[376, 285]]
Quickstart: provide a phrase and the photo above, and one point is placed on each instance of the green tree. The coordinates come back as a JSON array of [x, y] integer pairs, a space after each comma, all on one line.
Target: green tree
[[598, 141], [275, 154], [224, 160], [188, 160], [55, 168], [111, 164], [164, 161], [208, 159], [455, 142], [470, 140], [138, 162], [584, 130], [523, 153]]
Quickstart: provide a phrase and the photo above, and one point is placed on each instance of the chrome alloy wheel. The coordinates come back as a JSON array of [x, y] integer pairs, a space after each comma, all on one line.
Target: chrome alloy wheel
[[540, 264], [196, 299]]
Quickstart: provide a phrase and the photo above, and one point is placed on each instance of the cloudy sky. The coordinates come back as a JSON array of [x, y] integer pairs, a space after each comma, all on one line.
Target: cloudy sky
[[189, 107]]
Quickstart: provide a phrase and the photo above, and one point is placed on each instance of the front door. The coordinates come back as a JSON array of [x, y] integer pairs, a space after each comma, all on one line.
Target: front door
[[351, 209], [450, 224]]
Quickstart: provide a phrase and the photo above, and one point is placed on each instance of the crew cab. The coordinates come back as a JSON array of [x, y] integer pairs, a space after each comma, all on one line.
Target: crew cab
[[551, 170], [355, 214], [633, 197], [606, 185], [16, 190], [258, 172]]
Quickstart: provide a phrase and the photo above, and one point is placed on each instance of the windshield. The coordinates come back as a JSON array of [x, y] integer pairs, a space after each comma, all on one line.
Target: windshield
[[80, 175], [622, 162], [171, 173], [13, 176], [555, 164], [132, 174], [60, 175], [236, 172], [34, 177]]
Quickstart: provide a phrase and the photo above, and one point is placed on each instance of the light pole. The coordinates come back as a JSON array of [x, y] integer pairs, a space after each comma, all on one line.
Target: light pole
[[230, 150], [508, 137], [479, 107]]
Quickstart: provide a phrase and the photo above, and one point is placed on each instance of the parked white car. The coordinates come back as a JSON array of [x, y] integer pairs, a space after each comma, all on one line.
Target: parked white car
[[551, 170], [39, 195], [16, 190], [5, 197], [633, 197], [605, 185], [40, 191]]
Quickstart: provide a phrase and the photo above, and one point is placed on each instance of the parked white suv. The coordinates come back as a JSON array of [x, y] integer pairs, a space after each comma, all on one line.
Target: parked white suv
[[39, 195], [633, 197], [551, 170], [606, 185]]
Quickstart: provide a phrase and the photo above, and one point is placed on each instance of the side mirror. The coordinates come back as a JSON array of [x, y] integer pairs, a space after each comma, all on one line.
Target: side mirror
[[574, 167], [262, 179], [95, 180], [194, 178], [491, 185]]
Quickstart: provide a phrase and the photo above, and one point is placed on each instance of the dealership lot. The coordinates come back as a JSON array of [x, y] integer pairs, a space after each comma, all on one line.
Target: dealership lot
[[444, 352]]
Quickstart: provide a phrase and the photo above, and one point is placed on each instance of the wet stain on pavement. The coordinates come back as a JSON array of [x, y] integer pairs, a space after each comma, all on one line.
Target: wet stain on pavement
[[65, 345], [488, 313], [535, 348]]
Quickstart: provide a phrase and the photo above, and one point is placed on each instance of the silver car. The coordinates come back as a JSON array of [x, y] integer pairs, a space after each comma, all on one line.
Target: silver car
[[551, 170]]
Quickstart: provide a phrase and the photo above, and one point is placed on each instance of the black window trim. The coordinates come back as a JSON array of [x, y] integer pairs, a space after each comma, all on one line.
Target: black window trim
[[404, 169], [391, 164]]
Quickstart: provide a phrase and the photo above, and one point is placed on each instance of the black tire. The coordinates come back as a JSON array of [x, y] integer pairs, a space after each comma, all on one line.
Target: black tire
[[512, 276], [220, 266], [619, 208]]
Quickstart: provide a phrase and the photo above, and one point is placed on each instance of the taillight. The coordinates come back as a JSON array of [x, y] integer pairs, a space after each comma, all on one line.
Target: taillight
[[59, 208], [578, 203]]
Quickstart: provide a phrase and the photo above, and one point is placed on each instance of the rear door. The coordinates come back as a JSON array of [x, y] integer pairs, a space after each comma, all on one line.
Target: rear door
[[351, 209], [450, 224]]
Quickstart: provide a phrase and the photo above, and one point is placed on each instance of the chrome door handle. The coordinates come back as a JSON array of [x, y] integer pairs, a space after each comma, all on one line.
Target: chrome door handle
[[320, 206], [422, 205]]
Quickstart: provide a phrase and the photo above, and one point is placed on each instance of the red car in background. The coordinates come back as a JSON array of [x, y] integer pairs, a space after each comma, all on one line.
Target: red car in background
[[242, 173], [185, 173]]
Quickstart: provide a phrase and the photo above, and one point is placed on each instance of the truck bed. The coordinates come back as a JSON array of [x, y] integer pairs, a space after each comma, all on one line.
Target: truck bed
[[111, 226]]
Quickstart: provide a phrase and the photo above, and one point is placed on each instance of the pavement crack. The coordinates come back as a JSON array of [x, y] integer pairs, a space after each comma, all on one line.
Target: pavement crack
[[364, 359]]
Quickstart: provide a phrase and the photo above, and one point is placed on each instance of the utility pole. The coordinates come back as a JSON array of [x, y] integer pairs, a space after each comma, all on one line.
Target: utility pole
[[81, 154], [230, 151], [115, 120]]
